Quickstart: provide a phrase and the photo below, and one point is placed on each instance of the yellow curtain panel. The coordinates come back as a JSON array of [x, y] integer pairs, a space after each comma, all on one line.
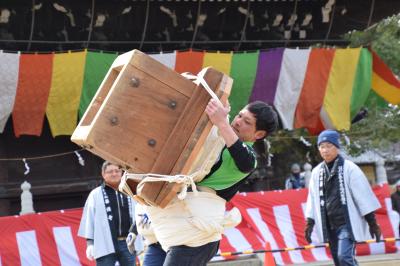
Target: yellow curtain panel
[[65, 92], [340, 87]]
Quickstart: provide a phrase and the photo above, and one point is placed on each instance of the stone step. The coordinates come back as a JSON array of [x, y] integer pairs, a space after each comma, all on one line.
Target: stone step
[[372, 260], [251, 260]]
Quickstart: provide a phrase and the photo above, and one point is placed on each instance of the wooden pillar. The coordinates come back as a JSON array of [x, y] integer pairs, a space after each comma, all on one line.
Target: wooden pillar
[[307, 173], [381, 176]]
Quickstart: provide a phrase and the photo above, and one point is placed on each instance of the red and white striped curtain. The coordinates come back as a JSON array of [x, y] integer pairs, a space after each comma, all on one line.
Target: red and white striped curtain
[[277, 217]]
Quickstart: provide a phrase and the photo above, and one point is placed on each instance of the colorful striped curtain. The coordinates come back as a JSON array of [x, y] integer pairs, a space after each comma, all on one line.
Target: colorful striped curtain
[[310, 88]]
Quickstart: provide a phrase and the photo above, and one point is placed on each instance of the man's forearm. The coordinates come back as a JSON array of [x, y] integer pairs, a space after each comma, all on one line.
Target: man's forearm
[[227, 133]]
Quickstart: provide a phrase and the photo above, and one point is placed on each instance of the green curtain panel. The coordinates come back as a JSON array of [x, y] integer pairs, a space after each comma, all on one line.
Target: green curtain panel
[[243, 72], [362, 82], [96, 67]]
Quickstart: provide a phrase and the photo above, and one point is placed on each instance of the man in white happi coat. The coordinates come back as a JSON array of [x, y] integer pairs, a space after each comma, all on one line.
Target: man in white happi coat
[[106, 221], [340, 202]]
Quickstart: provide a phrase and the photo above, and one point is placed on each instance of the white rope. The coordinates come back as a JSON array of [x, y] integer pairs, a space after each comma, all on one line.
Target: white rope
[[187, 180], [199, 79]]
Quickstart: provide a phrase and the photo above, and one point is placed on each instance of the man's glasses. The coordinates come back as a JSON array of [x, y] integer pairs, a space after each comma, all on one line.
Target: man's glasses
[[113, 171]]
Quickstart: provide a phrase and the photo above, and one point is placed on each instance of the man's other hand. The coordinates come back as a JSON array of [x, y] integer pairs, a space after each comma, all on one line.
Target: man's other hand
[[89, 252], [309, 229], [130, 243]]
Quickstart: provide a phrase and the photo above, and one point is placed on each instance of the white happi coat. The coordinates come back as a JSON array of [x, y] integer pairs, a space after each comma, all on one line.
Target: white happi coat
[[360, 200], [94, 223]]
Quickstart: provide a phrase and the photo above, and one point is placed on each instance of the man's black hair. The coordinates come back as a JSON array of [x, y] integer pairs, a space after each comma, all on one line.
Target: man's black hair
[[266, 116], [266, 119]]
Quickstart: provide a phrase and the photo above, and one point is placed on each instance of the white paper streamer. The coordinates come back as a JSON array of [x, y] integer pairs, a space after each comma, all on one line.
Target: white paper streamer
[[27, 169], [305, 142], [346, 139], [270, 155], [80, 159], [357, 145], [308, 157]]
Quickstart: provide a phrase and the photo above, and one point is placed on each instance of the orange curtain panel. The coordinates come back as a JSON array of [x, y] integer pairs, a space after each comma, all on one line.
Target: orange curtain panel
[[313, 92], [189, 61], [32, 93]]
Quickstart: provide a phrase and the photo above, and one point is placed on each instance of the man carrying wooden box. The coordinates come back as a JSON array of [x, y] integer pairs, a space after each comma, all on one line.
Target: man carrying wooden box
[[190, 229], [157, 124]]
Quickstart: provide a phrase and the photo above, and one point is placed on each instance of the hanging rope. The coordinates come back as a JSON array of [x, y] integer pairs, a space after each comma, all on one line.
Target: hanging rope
[[323, 245], [41, 157], [196, 25], [146, 21], [91, 25]]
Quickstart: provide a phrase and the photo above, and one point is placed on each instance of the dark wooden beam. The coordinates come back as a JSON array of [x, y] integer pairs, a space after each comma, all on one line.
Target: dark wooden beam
[[13, 191]]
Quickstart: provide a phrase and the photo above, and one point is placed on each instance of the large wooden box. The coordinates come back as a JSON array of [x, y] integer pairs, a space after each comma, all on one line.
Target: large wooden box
[[146, 117]]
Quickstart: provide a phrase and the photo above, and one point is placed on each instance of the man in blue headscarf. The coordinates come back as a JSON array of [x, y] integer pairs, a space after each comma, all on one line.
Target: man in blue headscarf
[[340, 202]]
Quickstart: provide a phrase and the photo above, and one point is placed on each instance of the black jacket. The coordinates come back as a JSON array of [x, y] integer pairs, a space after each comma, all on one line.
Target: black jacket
[[334, 209]]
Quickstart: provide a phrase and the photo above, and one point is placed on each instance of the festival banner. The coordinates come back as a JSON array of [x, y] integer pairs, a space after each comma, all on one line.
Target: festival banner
[[276, 217], [313, 88]]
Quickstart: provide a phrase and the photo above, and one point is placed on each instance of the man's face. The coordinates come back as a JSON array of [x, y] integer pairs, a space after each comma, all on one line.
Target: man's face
[[296, 170], [328, 151], [112, 175], [244, 126]]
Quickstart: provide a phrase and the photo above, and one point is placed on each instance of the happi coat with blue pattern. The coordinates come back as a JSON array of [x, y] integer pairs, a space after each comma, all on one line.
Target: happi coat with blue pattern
[[95, 225]]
